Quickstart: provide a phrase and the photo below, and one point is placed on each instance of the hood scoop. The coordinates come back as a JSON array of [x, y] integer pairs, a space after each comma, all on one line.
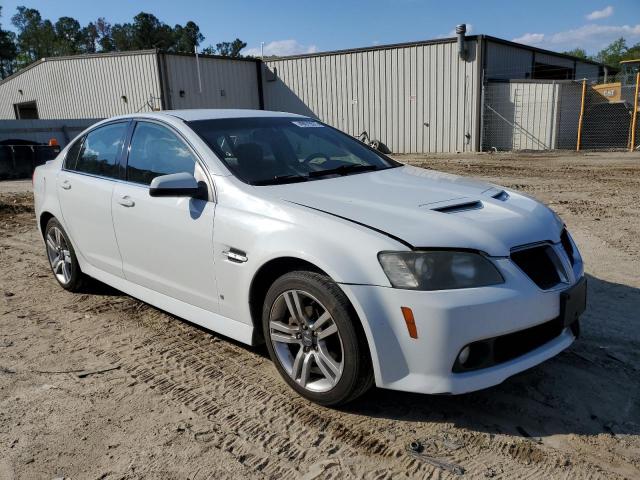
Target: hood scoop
[[501, 195], [459, 207]]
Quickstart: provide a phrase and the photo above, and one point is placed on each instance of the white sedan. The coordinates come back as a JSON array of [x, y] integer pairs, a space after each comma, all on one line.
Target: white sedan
[[353, 268]]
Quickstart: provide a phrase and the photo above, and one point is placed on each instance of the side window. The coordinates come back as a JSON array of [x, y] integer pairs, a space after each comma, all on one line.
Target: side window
[[155, 151], [72, 154], [100, 150]]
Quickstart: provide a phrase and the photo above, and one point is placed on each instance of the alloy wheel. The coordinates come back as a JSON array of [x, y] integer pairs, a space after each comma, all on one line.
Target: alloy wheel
[[306, 340], [59, 255]]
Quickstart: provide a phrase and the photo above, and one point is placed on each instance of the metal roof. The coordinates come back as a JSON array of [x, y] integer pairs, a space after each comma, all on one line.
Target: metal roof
[[128, 53], [434, 42], [75, 57]]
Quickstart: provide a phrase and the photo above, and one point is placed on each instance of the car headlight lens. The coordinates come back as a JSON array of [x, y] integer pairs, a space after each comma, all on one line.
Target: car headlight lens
[[438, 270]]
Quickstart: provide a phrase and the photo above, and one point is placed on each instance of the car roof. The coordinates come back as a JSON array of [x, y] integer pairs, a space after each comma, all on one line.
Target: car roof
[[219, 113]]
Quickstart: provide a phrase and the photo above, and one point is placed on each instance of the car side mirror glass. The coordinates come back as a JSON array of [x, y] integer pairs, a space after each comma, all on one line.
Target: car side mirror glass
[[175, 185]]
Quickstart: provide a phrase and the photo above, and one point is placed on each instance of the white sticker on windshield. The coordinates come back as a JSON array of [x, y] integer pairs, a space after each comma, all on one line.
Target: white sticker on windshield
[[307, 124]]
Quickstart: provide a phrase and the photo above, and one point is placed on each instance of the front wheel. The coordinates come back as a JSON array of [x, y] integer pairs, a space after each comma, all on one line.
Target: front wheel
[[314, 340]]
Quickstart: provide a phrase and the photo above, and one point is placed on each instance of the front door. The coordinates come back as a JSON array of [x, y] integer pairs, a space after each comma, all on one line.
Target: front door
[[85, 187], [165, 242]]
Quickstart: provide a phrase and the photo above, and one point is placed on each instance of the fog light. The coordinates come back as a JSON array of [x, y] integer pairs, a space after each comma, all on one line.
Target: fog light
[[464, 355]]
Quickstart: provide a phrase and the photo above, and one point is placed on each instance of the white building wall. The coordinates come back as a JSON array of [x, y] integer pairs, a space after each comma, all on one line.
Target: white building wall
[[415, 98], [85, 86], [226, 83], [531, 114]]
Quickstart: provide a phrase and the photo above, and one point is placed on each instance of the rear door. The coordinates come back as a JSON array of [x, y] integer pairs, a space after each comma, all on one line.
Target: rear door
[[166, 243], [85, 186]]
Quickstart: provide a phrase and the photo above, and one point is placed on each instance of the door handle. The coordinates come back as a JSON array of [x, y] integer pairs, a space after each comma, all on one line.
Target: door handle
[[66, 184], [126, 201]]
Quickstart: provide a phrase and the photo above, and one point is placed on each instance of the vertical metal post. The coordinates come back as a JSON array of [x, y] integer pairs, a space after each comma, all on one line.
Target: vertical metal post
[[198, 69], [584, 93], [483, 99], [634, 118]]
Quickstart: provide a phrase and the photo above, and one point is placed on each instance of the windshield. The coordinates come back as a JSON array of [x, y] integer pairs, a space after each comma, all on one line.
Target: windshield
[[267, 151]]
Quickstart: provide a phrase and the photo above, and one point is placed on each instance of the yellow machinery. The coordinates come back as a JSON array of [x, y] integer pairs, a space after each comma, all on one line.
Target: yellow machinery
[[621, 102], [613, 91]]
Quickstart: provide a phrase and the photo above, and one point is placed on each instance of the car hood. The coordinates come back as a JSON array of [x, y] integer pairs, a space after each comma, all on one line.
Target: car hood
[[424, 208]]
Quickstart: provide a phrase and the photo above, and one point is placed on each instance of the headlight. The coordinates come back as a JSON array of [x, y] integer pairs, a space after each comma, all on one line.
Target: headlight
[[438, 270]]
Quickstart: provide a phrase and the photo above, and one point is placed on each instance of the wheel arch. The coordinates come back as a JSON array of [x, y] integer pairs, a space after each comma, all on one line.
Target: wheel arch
[[44, 219], [272, 270]]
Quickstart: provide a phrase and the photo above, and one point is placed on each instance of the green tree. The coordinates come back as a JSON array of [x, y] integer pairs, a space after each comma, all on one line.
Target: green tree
[[149, 32], [230, 49], [105, 40], [187, 37], [613, 53], [36, 37], [8, 51], [122, 37], [577, 52], [89, 38], [633, 52], [209, 50], [68, 36]]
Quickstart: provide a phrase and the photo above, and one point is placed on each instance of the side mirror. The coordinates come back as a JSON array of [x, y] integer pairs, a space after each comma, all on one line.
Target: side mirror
[[175, 185]]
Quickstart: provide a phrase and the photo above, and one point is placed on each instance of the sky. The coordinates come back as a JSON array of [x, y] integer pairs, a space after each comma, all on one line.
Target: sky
[[288, 26]]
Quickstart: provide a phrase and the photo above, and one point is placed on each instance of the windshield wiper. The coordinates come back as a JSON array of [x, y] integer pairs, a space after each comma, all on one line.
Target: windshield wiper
[[280, 179], [343, 170]]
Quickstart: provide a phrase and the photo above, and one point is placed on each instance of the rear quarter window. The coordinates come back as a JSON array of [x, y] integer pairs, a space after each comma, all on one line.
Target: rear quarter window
[[99, 151]]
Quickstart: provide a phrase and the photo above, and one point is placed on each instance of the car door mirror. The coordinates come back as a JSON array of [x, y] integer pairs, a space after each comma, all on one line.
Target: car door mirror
[[175, 185]]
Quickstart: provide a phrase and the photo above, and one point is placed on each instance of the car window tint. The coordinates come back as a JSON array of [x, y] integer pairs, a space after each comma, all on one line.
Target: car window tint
[[100, 150], [317, 149], [261, 149], [155, 151], [72, 154]]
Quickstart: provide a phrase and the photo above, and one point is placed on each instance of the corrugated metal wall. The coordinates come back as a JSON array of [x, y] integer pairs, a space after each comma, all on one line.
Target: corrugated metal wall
[[588, 71], [226, 83], [506, 62], [418, 98], [85, 86]]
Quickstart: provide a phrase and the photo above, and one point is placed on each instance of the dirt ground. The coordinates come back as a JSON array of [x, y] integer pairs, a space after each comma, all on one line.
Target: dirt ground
[[101, 386]]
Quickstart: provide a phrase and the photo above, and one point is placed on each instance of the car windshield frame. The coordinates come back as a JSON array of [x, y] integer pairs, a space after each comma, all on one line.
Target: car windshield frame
[[344, 154]]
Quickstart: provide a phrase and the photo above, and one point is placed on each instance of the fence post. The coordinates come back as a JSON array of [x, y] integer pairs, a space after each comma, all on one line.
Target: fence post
[[584, 92], [634, 118]]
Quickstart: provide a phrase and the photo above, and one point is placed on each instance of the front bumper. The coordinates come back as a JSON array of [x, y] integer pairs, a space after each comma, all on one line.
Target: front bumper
[[447, 321]]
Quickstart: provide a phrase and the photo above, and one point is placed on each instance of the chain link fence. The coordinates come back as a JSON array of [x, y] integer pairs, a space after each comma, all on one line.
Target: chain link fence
[[585, 114]]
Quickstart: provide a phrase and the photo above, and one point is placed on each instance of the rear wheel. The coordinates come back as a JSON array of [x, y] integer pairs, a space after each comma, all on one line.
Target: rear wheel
[[62, 257], [313, 339]]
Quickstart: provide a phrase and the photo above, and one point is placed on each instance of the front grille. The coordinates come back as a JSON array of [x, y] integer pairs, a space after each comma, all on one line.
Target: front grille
[[541, 264], [493, 351]]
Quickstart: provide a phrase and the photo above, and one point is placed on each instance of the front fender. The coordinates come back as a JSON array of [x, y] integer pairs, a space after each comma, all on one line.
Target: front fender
[[263, 231]]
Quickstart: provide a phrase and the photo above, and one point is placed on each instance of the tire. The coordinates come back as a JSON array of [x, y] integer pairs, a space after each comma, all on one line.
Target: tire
[[59, 249], [324, 357]]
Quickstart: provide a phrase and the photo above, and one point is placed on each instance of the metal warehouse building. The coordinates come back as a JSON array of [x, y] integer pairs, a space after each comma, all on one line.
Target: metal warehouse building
[[106, 84], [415, 97]]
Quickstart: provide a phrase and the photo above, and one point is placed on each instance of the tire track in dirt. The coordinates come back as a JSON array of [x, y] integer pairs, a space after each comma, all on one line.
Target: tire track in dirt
[[255, 418], [184, 363], [258, 423]]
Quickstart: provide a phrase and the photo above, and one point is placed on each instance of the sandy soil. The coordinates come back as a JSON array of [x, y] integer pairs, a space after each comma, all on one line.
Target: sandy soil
[[99, 385]]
